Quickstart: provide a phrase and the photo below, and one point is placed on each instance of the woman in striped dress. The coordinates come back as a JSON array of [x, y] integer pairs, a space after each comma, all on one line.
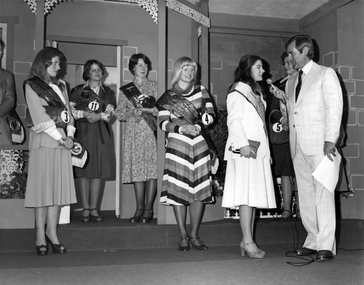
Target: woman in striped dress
[[183, 112]]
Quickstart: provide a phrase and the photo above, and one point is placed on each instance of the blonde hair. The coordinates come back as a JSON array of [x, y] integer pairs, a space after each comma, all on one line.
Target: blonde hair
[[179, 65]]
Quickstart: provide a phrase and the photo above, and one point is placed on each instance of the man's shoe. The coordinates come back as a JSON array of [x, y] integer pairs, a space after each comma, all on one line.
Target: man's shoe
[[324, 255], [304, 251]]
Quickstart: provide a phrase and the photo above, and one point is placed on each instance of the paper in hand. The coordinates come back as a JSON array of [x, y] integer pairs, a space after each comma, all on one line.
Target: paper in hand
[[327, 172]]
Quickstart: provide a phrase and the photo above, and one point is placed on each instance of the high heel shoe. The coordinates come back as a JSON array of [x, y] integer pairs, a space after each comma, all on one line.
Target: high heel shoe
[[42, 249], [96, 218], [200, 245], [183, 247], [86, 218], [137, 218], [147, 219], [56, 248], [288, 218], [252, 254]]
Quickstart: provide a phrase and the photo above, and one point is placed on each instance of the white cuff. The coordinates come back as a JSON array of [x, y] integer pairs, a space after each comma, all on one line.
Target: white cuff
[[53, 133], [71, 131]]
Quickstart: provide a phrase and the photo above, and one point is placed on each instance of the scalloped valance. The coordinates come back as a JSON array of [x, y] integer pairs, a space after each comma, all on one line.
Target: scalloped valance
[[151, 6]]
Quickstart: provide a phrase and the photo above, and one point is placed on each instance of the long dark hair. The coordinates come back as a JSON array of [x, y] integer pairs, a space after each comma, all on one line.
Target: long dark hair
[[244, 74], [42, 61]]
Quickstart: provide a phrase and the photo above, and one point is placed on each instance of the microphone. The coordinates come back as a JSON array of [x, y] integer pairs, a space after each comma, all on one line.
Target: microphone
[[269, 82]]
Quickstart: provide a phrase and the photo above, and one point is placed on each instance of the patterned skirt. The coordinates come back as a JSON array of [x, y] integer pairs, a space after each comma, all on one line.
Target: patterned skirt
[[186, 176]]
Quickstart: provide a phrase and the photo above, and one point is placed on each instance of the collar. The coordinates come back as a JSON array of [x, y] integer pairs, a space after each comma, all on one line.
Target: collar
[[306, 69]]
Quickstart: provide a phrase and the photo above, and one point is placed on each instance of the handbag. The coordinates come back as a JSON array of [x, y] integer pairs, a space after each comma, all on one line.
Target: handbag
[[79, 154], [276, 133], [16, 127], [59, 115]]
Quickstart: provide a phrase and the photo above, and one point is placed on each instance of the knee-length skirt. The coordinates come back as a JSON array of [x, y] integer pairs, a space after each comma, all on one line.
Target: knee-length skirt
[[186, 176], [50, 178], [249, 182]]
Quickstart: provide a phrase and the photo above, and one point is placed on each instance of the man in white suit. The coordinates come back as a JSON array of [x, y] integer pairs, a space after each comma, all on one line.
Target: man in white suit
[[314, 115]]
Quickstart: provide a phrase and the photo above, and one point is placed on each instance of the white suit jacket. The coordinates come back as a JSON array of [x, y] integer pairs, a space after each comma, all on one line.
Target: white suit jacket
[[316, 116], [244, 123]]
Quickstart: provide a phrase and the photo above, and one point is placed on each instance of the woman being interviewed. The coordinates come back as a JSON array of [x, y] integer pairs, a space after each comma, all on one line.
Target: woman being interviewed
[[50, 178], [248, 182], [182, 110]]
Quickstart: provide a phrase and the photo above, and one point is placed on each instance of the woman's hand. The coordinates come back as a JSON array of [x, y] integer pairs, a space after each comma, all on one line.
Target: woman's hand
[[68, 143], [190, 130], [94, 117], [247, 151]]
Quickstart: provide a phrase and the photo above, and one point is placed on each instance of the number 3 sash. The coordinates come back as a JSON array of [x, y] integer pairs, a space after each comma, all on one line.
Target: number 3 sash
[[44, 91]]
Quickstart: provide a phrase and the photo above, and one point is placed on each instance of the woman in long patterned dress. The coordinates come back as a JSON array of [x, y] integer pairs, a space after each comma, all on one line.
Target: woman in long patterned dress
[[140, 144], [92, 104], [248, 182], [50, 178], [186, 179]]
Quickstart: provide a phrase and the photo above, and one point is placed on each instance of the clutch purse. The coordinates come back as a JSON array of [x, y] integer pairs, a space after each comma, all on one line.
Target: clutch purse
[[252, 143], [59, 115]]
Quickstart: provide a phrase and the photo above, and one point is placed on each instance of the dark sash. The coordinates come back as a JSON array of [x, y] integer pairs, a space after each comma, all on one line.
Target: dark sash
[[132, 92], [44, 91], [185, 111], [88, 96]]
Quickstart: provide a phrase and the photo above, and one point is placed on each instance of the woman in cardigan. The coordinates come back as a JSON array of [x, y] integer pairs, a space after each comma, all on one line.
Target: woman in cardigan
[[50, 178]]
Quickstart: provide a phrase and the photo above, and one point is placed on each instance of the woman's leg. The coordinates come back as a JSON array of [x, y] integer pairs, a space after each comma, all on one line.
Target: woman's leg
[[180, 212], [95, 188], [40, 215], [150, 193], [246, 223], [52, 222], [197, 210], [139, 191], [84, 187], [286, 185]]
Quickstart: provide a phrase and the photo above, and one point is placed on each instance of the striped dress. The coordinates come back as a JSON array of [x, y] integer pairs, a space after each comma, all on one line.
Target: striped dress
[[186, 177]]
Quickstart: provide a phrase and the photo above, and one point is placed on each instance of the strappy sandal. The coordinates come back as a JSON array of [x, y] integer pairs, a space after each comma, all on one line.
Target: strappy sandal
[[137, 218], [197, 243], [96, 219], [86, 218], [184, 247]]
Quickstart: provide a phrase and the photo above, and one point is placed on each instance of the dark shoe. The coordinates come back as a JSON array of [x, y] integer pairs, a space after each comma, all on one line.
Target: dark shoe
[[95, 218], [197, 243], [324, 255], [137, 216], [147, 219], [56, 248], [42, 249], [86, 218], [304, 251], [183, 247], [285, 218]]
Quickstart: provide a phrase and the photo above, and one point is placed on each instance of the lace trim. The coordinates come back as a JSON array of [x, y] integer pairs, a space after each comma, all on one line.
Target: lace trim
[[151, 6], [48, 5]]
